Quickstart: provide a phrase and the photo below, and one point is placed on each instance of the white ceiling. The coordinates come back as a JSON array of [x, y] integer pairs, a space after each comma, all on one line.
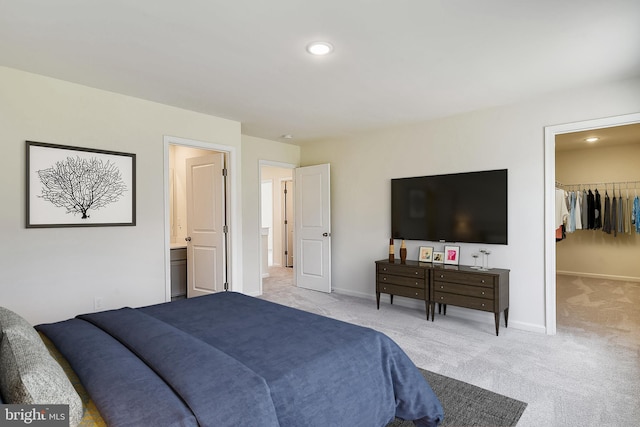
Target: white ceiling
[[607, 137], [395, 62]]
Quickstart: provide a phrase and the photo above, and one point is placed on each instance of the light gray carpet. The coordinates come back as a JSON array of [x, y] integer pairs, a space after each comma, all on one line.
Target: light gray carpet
[[467, 405], [579, 377]]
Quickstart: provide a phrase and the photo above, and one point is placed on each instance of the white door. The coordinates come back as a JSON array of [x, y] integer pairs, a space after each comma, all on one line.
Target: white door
[[312, 245], [205, 221]]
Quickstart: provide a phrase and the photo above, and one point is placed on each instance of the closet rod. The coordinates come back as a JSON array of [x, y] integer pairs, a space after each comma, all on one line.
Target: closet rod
[[618, 184]]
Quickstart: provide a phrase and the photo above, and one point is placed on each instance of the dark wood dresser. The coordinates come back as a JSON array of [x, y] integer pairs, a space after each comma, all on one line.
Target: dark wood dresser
[[460, 286], [470, 288], [410, 280]]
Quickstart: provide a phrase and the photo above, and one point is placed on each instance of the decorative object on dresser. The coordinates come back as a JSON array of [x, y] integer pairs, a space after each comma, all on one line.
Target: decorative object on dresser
[[409, 279], [403, 252], [479, 290], [438, 257], [391, 250], [425, 254], [452, 255]]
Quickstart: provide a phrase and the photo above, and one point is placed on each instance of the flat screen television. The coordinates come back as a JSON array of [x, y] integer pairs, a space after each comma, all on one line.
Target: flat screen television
[[466, 207]]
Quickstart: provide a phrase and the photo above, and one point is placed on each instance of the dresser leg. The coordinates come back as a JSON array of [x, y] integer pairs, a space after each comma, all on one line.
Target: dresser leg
[[378, 299], [497, 317], [506, 317], [444, 310], [391, 298], [433, 310], [426, 307]]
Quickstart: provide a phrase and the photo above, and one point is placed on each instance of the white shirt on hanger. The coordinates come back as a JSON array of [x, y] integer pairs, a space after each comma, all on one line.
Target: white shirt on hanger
[[562, 211]]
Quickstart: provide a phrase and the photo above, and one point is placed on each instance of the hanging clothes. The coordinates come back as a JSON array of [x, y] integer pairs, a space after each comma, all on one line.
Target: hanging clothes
[[585, 210], [578, 209], [571, 226], [597, 221], [627, 215], [591, 210], [614, 215], [635, 219], [620, 213], [562, 213], [606, 222]]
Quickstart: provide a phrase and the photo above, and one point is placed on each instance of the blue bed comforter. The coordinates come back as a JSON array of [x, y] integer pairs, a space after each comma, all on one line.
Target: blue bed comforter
[[232, 360]]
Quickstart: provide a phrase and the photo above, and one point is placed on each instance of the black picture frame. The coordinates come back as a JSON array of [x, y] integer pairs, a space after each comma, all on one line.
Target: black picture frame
[[70, 186]]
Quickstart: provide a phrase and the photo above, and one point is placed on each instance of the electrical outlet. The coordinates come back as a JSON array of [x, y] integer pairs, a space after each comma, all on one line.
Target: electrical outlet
[[98, 303]]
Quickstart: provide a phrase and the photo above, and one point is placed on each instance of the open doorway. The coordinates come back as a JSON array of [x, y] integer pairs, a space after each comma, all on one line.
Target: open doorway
[[276, 225], [551, 181], [597, 273], [199, 205]]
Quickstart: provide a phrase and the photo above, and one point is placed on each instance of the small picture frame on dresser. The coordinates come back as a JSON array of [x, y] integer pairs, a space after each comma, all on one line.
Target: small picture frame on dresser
[[425, 254], [452, 255], [438, 257]]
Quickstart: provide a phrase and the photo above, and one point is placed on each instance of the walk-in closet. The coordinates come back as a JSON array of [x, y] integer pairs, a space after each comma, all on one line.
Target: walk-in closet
[[598, 252]]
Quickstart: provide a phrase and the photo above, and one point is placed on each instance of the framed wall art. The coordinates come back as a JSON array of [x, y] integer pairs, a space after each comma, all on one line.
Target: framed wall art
[[452, 255], [79, 187], [425, 254]]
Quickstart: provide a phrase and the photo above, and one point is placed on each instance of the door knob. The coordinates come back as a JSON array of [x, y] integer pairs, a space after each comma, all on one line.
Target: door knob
[[188, 239], [326, 234]]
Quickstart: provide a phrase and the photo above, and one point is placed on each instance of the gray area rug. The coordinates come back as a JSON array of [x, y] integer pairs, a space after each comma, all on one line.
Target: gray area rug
[[467, 405]]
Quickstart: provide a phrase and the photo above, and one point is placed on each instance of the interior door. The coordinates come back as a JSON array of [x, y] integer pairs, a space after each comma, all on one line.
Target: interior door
[[313, 228], [205, 222]]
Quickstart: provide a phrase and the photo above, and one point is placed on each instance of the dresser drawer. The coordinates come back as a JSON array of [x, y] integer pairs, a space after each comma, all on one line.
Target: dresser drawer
[[401, 270], [402, 291], [465, 290], [465, 278], [400, 280], [463, 301]]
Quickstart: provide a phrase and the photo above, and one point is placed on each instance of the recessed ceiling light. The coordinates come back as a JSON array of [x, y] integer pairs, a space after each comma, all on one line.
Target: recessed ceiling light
[[319, 48], [592, 139], [287, 136]]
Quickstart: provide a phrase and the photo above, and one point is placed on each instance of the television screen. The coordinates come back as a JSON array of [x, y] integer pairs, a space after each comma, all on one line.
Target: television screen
[[463, 207]]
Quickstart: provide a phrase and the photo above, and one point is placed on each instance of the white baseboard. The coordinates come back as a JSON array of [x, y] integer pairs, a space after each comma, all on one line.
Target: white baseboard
[[599, 276], [463, 313]]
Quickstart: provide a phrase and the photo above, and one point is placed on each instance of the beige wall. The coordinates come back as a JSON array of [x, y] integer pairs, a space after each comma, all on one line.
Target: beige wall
[[52, 274], [593, 252], [509, 137], [255, 150]]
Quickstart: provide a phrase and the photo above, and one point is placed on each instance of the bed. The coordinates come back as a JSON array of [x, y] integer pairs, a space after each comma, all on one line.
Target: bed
[[228, 359]]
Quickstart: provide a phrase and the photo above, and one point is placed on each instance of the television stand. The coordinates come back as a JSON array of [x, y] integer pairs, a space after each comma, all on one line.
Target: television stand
[[476, 289], [409, 279], [460, 286]]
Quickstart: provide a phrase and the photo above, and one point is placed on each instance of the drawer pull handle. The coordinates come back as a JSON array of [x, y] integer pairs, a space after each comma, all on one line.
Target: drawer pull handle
[[442, 276], [483, 293], [483, 305], [384, 269], [416, 272], [416, 294], [441, 297], [417, 283], [482, 280], [384, 278], [441, 287]]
